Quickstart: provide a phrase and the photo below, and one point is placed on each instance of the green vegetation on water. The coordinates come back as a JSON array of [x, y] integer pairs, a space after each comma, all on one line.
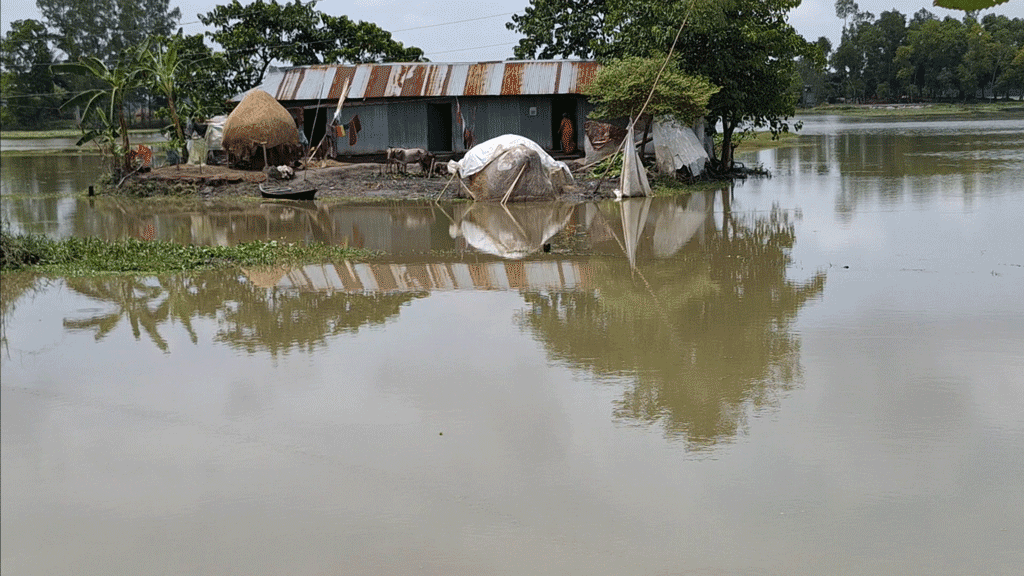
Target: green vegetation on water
[[90, 256]]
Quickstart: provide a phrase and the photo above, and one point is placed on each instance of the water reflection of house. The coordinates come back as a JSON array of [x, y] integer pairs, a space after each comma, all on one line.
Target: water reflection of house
[[431, 105], [427, 277]]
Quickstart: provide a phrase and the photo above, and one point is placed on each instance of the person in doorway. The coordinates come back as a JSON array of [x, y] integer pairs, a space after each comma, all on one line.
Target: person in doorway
[[568, 135]]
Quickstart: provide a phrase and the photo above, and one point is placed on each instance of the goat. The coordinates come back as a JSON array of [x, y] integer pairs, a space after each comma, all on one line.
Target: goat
[[405, 156]]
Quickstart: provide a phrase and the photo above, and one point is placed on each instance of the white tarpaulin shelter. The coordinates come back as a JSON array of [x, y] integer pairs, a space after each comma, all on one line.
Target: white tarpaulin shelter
[[676, 146], [510, 167]]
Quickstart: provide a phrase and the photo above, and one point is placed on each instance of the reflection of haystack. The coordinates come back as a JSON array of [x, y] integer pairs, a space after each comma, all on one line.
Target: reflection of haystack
[[267, 277], [258, 121]]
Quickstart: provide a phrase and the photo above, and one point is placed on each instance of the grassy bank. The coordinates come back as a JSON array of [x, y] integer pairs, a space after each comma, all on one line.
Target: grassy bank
[[918, 110], [89, 256], [62, 133], [763, 140]]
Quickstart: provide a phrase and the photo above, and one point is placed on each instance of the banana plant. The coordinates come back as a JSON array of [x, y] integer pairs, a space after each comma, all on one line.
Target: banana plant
[[163, 68], [106, 105]]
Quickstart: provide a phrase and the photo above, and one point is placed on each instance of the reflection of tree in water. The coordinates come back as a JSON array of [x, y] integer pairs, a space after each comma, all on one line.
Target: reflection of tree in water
[[276, 320], [703, 335], [248, 317], [143, 304], [13, 287]]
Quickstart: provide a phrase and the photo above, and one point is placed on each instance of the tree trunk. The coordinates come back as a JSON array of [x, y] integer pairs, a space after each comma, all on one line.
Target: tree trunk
[[728, 127], [726, 213], [123, 123], [643, 141]]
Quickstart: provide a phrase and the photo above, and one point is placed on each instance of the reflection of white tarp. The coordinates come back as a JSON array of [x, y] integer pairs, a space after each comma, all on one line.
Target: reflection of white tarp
[[513, 231], [633, 181], [491, 169], [676, 146], [659, 227], [634, 219], [675, 225]]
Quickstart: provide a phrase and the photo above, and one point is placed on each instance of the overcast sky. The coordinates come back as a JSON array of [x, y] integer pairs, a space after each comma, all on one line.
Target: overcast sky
[[441, 29]]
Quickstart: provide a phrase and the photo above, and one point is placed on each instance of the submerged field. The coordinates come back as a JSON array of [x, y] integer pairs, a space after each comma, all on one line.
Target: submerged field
[[814, 373]]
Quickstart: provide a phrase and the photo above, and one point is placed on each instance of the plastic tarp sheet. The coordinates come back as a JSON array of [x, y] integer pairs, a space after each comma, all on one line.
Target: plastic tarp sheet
[[196, 151], [510, 167], [676, 146], [633, 181], [215, 132]]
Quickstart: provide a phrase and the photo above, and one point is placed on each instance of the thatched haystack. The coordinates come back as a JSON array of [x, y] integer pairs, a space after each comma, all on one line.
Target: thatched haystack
[[259, 120]]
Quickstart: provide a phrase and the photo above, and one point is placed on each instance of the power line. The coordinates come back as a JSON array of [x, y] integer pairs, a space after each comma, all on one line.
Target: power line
[[473, 48], [453, 22]]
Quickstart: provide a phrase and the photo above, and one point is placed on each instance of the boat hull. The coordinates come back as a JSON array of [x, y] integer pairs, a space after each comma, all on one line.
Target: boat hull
[[288, 193]]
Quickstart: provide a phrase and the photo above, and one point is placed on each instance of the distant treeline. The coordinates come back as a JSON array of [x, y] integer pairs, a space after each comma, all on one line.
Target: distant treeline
[[892, 58]]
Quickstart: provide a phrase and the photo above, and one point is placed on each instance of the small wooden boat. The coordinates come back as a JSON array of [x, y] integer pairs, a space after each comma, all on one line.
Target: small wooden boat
[[287, 192]]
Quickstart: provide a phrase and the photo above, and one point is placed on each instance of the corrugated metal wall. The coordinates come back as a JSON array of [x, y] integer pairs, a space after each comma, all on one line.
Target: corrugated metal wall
[[407, 124], [404, 124]]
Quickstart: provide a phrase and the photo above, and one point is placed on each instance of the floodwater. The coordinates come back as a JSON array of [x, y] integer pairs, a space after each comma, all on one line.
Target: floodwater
[[821, 372]]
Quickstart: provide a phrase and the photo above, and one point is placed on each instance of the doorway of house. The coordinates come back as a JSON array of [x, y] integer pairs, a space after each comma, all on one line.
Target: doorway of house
[[563, 105], [314, 124], [439, 127]]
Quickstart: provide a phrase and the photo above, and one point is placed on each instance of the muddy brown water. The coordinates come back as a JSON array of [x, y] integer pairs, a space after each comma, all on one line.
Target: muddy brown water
[[817, 373]]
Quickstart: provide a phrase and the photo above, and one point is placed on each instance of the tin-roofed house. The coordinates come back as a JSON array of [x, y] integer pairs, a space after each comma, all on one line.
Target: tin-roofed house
[[443, 108]]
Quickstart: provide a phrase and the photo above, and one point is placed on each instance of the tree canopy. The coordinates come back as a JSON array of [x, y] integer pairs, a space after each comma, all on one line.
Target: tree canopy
[[28, 84], [622, 87], [105, 29], [893, 57], [968, 5], [746, 47], [195, 80], [256, 34]]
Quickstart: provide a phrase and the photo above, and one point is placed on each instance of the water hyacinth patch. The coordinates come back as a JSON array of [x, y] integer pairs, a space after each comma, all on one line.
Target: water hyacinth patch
[[77, 256]]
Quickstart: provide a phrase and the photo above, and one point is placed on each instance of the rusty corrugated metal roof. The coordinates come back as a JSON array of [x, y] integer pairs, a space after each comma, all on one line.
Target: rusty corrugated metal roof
[[423, 79]]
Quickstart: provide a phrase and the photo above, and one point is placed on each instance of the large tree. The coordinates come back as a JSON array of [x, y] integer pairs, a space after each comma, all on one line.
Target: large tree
[[25, 58], [744, 46], [256, 34], [562, 28], [105, 29], [930, 59]]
